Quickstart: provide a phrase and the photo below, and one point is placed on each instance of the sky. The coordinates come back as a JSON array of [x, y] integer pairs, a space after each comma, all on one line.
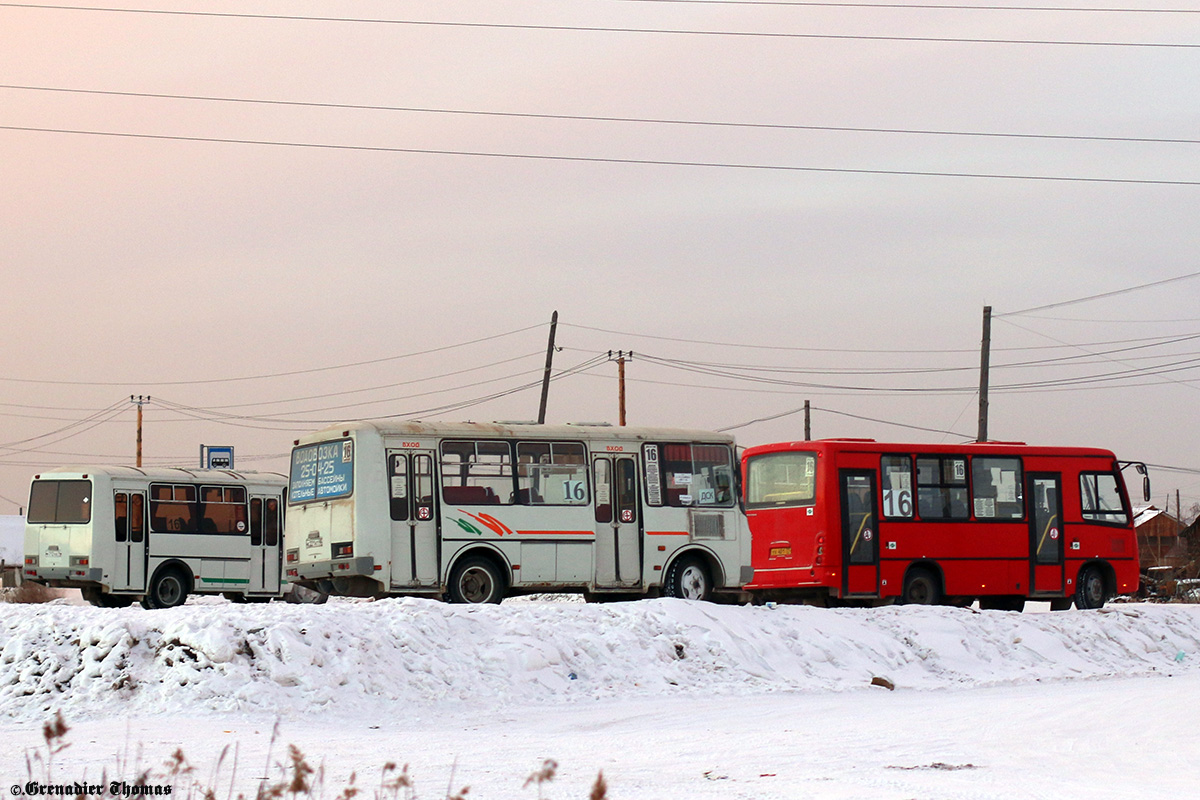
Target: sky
[[267, 224]]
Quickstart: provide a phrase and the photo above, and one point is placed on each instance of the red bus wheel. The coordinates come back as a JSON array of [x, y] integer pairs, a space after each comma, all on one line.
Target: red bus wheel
[[921, 588]]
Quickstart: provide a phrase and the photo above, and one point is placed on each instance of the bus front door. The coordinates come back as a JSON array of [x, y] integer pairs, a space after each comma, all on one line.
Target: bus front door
[[1045, 533], [860, 540], [618, 531], [129, 564], [266, 535], [416, 558]]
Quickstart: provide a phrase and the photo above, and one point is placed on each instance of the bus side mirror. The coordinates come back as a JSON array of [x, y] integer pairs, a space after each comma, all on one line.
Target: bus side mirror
[[1141, 468]]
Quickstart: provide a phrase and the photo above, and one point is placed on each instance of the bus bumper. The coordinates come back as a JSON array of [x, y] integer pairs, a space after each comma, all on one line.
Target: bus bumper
[[64, 574], [337, 568]]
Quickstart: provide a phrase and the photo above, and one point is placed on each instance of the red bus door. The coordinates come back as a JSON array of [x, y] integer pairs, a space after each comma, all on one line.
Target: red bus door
[[860, 534], [1045, 532]]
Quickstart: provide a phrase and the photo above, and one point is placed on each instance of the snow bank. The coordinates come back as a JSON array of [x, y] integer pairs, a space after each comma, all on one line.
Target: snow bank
[[12, 539], [347, 657]]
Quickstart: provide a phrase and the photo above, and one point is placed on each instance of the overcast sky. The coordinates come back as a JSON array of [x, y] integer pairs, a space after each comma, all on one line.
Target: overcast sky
[[205, 258]]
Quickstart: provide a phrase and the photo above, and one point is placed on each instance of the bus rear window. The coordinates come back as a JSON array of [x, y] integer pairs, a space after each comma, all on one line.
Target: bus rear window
[[60, 502], [781, 479]]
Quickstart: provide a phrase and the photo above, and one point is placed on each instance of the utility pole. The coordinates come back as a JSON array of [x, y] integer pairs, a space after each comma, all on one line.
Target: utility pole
[[984, 359], [139, 401], [622, 357], [546, 375], [807, 422]]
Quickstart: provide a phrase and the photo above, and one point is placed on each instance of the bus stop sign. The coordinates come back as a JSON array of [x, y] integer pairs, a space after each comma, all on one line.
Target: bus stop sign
[[216, 457]]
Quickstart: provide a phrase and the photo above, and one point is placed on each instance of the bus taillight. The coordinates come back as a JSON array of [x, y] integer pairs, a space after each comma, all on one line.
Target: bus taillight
[[343, 550]]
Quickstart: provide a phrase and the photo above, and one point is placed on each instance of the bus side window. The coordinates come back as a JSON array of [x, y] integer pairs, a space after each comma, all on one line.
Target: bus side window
[[626, 494], [271, 523], [256, 522], [121, 513], [603, 490], [137, 518]]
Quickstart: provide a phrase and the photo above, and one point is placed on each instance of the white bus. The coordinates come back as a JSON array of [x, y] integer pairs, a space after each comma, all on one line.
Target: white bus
[[123, 533], [478, 511]]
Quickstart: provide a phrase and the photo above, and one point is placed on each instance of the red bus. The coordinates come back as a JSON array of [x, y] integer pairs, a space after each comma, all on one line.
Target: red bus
[[855, 521]]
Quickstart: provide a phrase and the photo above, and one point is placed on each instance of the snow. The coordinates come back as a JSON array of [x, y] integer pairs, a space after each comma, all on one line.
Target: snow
[[668, 697], [12, 539]]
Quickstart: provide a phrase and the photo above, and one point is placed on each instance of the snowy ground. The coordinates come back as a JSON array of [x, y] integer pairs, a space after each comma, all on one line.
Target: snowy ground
[[668, 698]]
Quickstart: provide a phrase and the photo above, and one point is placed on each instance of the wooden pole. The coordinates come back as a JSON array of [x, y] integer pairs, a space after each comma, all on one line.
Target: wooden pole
[[546, 375], [984, 359]]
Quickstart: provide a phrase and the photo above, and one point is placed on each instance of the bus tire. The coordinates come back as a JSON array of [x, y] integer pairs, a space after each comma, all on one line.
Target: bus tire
[[1090, 591], [687, 578], [921, 588], [168, 589], [476, 579]]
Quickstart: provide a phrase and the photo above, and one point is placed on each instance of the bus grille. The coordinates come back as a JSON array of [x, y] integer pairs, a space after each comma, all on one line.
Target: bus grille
[[707, 526]]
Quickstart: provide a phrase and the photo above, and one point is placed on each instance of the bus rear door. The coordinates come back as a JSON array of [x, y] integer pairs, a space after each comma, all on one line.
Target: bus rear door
[[415, 559], [129, 530], [860, 540], [265, 534], [1045, 533]]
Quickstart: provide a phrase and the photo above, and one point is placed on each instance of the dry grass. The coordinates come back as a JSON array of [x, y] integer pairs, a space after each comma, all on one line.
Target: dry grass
[[293, 777]]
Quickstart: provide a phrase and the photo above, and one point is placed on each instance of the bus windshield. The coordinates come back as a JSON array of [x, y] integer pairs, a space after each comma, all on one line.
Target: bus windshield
[[781, 479]]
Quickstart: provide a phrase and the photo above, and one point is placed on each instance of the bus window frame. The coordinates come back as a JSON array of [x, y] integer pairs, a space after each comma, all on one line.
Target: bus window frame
[[802, 503], [1119, 485], [942, 486]]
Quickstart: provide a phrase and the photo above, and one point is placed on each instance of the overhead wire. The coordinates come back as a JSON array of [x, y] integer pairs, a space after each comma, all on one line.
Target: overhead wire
[[598, 118], [874, 351], [722, 165], [290, 373], [1102, 295], [920, 6], [601, 28]]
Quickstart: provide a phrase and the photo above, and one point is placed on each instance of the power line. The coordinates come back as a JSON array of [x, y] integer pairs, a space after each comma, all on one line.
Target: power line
[[929, 351], [602, 160], [600, 28], [921, 6], [271, 421], [842, 414], [1100, 296], [1046, 362], [276, 374], [593, 118]]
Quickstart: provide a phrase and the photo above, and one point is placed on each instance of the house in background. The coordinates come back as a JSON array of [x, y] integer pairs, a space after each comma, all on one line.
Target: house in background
[[1159, 541]]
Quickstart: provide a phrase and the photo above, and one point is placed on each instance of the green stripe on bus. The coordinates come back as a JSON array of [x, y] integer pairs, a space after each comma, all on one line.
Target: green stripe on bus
[[225, 580]]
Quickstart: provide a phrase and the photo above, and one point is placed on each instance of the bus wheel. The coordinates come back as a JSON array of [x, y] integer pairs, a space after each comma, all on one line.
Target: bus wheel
[[168, 589], [687, 579], [476, 580], [1089, 588], [921, 588]]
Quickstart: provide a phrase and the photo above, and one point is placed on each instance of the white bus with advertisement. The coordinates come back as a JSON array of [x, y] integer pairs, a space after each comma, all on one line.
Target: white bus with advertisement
[[125, 533], [475, 512]]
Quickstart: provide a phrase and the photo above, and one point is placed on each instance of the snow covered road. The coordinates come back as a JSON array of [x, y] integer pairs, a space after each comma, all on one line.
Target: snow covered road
[[668, 698]]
